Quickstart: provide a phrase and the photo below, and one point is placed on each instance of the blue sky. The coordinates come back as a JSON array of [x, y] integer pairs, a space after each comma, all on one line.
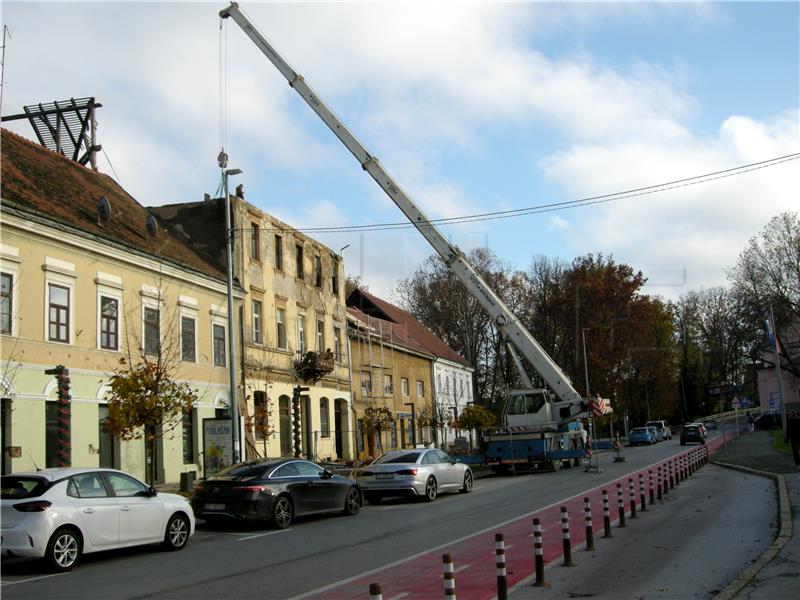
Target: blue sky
[[472, 107]]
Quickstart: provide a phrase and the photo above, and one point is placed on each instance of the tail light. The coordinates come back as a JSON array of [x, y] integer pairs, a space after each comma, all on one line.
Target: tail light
[[200, 489], [35, 506], [407, 472], [248, 488]]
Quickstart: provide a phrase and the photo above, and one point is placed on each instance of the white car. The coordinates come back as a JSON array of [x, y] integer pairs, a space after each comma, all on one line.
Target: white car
[[662, 427], [60, 514]]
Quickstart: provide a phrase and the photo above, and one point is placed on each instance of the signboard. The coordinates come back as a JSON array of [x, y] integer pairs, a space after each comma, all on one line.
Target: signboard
[[217, 445]]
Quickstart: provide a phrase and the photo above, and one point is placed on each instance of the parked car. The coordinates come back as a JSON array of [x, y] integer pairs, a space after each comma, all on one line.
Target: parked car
[[663, 429], [768, 420], [710, 424], [421, 473], [701, 426], [693, 433], [657, 435], [276, 491], [641, 435], [61, 514]]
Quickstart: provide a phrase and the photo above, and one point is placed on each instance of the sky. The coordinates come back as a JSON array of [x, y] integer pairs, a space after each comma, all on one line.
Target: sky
[[472, 107]]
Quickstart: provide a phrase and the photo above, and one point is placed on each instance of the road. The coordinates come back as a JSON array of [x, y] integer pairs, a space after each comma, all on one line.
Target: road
[[399, 543]]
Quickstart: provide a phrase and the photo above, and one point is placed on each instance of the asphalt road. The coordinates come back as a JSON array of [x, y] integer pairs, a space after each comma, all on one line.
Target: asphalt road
[[319, 556]]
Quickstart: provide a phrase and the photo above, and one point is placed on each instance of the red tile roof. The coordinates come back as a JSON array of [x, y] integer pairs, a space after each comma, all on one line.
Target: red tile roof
[[49, 186], [403, 325]]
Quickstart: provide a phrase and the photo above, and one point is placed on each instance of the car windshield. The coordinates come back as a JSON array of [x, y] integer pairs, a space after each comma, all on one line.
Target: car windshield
[[402, 457], [245, 471], [640, 430], [16, 488], [692, 429], [656, 424]]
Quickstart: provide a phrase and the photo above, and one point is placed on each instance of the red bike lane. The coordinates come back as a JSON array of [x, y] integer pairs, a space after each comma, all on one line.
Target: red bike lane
[[420, 576]]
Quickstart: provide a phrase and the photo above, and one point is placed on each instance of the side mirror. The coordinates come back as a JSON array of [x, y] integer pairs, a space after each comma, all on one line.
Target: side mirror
[[326, 474], [153, 491]]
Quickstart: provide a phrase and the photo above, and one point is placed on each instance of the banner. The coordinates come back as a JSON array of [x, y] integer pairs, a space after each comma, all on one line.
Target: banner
[[217, 446]]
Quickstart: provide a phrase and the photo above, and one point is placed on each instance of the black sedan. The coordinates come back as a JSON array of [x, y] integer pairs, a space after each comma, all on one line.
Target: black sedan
[[692, 433], [274, 490]]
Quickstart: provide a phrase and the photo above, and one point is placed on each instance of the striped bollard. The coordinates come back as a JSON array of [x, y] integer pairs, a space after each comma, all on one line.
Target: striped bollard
[[632, 498], [693, 462], [538, 551], [620, 505], [375, 591], [707, 455], [565, 536], [652, 487], [681, 468], [659, 481], [606, 516], [587, 520], [642, 501], [449, 577], [671, 475], [500, 563]]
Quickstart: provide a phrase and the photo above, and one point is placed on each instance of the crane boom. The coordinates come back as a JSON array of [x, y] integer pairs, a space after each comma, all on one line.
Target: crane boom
[[505, 320]]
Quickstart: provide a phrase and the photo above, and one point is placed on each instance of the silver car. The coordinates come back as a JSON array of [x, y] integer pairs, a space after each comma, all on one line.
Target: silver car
[[420, 473]]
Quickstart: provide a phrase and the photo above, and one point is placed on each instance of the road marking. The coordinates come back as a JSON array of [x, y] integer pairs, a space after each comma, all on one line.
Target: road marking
[[400, 595], [416, 555], [461, 568], [32, 579], [258, 535]]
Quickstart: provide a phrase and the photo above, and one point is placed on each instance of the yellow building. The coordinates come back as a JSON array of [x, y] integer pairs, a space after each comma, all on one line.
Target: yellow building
[[90, 277], [294, 305]]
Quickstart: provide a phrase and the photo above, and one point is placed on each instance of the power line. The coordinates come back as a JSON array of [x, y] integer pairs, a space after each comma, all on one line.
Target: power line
[[556, 206]]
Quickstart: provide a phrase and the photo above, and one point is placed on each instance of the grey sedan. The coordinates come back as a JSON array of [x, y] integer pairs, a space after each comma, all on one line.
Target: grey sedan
[[420, 473]]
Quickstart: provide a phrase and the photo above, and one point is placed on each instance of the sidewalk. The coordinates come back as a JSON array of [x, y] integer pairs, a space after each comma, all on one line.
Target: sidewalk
[[780, 577]]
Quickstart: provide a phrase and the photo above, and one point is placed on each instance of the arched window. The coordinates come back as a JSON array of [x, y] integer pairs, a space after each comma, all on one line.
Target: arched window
[[324, 418]]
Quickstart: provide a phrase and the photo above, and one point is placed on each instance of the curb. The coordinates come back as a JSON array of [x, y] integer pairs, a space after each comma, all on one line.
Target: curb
[[784, 534]]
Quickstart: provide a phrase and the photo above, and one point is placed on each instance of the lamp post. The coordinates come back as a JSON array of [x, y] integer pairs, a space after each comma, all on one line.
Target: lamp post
[[413, 423], [235, 453]]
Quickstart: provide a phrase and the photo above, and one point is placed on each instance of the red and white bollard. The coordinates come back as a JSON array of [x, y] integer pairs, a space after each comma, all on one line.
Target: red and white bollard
[[538, 550], [565, 536], [500, 564], [449, 573], [660, 481], [652, 488], [587, 520], [375, 591], [642, 501], [606, 516], [621, 505], [632, 498]]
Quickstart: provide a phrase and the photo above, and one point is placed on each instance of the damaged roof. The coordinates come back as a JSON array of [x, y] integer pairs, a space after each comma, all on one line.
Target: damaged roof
[[52, 188]]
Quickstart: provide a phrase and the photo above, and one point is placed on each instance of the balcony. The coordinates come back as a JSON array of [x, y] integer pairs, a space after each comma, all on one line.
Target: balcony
[[313, 366]]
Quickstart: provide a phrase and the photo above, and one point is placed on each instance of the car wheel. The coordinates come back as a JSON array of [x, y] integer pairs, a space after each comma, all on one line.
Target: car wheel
[[372, 497], [431, 489], [63, 550], [467, 483], [352, 503], [282, 512], [177, 533]]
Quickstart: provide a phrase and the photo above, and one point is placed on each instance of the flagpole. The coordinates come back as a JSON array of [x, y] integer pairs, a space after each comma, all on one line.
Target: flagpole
[[775, 346]]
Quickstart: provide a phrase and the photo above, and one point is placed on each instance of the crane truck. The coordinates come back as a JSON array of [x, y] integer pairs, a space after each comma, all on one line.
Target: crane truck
[[541, 426]]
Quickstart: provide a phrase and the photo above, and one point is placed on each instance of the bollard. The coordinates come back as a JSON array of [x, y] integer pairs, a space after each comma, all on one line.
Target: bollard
[[642, 502], [538, 553], [587, 519], [632, 497], [620, 505], [565, 536], [375, 591], [659, 482], [652, 488], [449, 577], [671, 475], [606, 516], [500, 563]]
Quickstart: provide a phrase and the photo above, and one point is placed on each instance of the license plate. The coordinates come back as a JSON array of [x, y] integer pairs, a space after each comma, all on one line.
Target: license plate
[[215, 507], [384, 476]]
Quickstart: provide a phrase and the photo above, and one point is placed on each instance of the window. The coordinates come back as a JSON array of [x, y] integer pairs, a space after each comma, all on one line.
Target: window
[[188, 438], [301, 333], [298, 257], [219, 345], [125, 486], [404, 386], [109, 323], [255, 242], [335, 277], [260, 414], [280, 322], [318, 271], [86, 485], [51, 434], [5, 303], [461, 387], [152, 333], [58, 320], [320, 336], [287, 470], [278, 253], [420, 389], [188, 344], [324, 418], [366, 383], [258, 336], [387, 384], [337, 342]]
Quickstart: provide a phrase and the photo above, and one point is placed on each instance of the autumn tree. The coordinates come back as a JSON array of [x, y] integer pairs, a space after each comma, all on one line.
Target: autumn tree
[[475, 417], [375, 421], [259, 375]]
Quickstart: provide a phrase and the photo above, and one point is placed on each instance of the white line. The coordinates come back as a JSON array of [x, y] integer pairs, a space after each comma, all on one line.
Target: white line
[[400, 595], [400, 561], [32, 579], [258, 535], [461, 568]]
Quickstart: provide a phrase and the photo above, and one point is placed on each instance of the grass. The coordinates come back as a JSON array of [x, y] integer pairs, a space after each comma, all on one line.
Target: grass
[[778, 443]]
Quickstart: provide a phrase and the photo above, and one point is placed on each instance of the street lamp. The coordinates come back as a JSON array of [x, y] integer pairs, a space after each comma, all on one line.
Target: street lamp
[[235, 453], [413, 423]]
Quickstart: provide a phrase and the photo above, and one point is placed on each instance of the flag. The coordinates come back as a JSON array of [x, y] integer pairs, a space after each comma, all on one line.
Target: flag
[[772, 336]]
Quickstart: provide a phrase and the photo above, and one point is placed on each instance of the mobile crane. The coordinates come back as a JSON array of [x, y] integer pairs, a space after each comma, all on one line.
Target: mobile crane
[[538, 422]]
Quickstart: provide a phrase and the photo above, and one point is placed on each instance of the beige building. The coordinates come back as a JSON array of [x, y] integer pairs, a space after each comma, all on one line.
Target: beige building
[[294, 305], [90, 277]]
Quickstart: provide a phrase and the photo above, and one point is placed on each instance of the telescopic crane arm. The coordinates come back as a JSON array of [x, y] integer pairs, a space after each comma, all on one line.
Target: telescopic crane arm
[[510, 326]]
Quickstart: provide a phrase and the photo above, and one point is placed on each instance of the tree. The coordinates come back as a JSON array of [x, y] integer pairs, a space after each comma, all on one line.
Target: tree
[[476, 417], [375, 421], [259, 376]]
